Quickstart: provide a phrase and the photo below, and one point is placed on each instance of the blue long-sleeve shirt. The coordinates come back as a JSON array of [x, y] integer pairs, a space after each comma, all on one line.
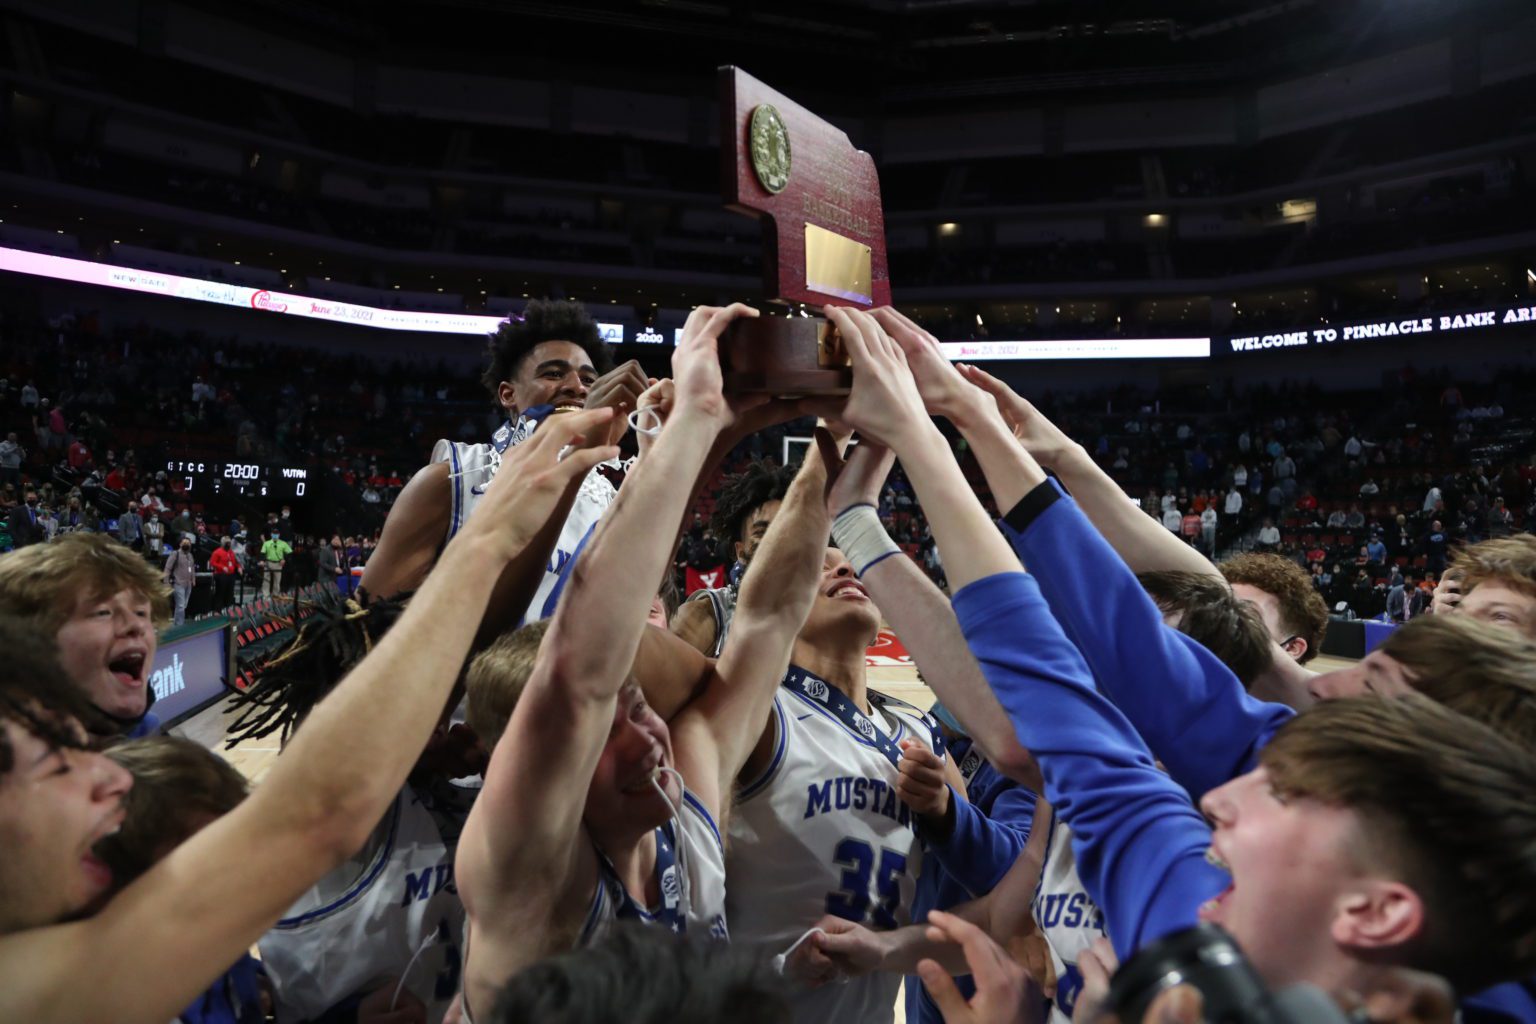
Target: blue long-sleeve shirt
[[1139, 841], [1191, 709], [989, 834]]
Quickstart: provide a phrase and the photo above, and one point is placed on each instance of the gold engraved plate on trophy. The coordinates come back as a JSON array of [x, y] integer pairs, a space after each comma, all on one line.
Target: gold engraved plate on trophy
[[836, 265], [770, 148]]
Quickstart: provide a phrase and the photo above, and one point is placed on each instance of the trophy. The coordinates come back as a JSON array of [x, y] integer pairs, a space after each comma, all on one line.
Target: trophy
[[818, 199]]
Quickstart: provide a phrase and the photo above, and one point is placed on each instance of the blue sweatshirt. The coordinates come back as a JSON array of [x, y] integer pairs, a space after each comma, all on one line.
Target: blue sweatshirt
[[1191, 710], [988, 836], [1187, 705], [1139, 842]]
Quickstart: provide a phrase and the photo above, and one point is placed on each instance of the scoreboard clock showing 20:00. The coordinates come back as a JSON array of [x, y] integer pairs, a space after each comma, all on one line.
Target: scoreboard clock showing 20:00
[[245, 479]]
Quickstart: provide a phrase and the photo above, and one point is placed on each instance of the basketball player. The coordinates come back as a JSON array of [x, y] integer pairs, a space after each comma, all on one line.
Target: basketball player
[[549, 361], [594, 808], [746, 505], [1341, 788], [145, 954], [819, 826], [102, 604]]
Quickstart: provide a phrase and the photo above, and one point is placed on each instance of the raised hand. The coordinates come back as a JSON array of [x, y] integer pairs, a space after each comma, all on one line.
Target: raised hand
[[1039, 436], [944, 391], [619, 389], [696, 362], [884, 403], [1000, 982], [534, 475], [659, 398], [920, 780], [857, 480]]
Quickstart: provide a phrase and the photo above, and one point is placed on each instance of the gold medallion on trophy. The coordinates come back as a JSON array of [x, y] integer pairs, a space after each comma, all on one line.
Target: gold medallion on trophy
[[770, 148]]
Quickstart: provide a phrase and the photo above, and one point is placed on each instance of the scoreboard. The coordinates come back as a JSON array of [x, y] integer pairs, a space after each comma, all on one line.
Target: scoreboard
[[240, 479]]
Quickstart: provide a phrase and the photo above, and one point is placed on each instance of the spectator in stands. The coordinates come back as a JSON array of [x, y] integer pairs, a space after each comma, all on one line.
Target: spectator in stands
[[181, 573], [1208, 522], [11, 456], [284, 526], [1233, 509], [1376, 550], [226, 569], [182, 526], [130, 527], [22, 522], [1435, 544], [78, 456], [1173, 519], [1370, 488], [151, 502], [29, 395], [154, 536], [1269, 536], [47, 522], [1336, 519], [333, 564], [1356, 518], [274, 556], [1397, 601], [1189, 527]]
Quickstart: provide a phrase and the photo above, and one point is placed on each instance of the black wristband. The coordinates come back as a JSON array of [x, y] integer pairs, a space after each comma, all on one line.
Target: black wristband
[[1031, 506]]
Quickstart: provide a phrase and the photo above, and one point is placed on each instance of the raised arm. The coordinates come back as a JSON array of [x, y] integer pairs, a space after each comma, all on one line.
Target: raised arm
[[1139, 841], [519, 833], [714, 735], [917, 610], [170, 933], [1138, 538]]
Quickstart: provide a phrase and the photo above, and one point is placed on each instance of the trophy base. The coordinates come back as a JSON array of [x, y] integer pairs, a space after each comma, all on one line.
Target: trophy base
[[789, 357]]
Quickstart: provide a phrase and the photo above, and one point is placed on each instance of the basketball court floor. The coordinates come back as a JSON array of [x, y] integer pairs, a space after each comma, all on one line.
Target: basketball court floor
[[890, 671]]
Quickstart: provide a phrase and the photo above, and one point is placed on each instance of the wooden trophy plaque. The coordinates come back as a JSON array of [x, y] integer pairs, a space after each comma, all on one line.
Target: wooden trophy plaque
[[818, 199]]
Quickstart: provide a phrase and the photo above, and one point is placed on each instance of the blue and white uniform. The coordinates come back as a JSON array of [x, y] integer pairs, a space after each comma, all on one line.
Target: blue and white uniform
[[991, 827], [703, 856], [471, 468], [1067, 918], [821, 831], [391, 912]]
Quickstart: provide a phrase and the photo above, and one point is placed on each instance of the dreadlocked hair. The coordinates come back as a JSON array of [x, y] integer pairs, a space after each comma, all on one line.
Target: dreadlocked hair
[[762, 481], [338, 635]]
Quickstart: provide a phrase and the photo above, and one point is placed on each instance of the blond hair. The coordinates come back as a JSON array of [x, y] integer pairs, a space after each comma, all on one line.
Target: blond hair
[[43, 582], [1479, 670], [1510, 560], [1444, 806], [496, 679]]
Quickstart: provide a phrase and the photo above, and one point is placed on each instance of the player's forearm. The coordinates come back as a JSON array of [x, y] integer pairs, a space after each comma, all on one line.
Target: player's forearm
[[613, 581], [358, 745], [903, 949], [920, 614], [1145, 544], [969, 543]]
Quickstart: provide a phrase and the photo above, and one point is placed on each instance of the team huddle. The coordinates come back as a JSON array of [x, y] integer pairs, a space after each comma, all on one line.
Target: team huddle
[[520, 782]]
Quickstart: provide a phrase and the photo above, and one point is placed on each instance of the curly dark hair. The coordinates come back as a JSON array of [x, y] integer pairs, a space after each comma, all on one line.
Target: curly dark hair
[[761, 481], [328, 646], [542, 320]]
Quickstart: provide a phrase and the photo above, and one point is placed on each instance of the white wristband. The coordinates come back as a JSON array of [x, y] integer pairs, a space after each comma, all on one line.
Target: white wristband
[[861, 538]]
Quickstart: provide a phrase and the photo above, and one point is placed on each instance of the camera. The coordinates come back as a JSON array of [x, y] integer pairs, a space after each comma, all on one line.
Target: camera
[[1208, 959]]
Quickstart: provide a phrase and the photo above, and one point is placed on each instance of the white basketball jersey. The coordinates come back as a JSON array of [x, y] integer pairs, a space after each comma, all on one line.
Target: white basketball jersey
[[703, 856], [1066, 916], [392, 912], [823, 832], [471, 467]]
